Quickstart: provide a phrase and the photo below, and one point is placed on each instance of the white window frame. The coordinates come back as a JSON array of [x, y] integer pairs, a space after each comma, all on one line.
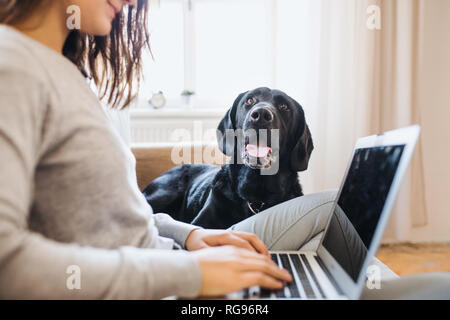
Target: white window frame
[[190, 59]]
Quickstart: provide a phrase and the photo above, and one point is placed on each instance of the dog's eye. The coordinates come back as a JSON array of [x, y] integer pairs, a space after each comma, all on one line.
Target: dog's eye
[[250, 101], [284, 107]]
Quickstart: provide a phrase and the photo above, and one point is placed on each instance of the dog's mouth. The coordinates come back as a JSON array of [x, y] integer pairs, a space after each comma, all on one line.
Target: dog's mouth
[[257, 156]]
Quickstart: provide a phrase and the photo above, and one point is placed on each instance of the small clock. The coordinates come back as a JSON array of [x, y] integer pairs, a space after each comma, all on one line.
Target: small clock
[[158, 100]]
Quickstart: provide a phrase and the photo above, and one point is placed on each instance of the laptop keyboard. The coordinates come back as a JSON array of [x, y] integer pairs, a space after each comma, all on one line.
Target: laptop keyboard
[[302, 276], [313, 275], [304, 284], [292, 286]]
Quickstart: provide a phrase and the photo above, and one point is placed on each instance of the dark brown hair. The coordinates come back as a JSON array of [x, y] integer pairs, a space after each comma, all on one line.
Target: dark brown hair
[[114, 62]]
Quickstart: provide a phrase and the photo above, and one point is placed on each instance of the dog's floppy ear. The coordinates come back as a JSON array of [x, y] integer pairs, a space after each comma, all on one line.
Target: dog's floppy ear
[[227, 123], [302, 150]]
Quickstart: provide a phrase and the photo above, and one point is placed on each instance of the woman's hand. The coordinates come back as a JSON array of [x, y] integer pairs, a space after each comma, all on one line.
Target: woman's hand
[[228, 269], [203, 238]]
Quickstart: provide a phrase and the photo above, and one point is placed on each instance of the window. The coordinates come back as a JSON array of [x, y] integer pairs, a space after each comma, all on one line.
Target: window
[[233, 49], [166, 71], [216, 48]]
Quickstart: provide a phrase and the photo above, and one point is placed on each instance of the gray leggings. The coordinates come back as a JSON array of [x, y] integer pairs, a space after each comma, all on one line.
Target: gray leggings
[[298, 224]]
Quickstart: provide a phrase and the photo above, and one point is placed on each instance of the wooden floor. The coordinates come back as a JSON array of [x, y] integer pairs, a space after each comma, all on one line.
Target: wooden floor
[[407, 258]]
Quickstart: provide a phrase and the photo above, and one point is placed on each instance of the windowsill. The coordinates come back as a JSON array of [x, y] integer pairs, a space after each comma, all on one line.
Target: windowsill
[[191, 113]]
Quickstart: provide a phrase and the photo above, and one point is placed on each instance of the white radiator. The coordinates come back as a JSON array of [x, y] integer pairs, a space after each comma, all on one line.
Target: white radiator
[[174, 125]]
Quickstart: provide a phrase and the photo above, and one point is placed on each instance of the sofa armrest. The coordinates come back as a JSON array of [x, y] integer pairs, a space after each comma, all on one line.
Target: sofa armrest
[[153, 159]]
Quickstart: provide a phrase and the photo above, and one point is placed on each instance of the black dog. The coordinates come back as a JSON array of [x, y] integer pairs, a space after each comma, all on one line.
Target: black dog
[[218, 197]]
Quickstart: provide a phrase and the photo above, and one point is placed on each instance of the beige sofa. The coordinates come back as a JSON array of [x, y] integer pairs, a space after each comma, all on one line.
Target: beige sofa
[[153, 159]]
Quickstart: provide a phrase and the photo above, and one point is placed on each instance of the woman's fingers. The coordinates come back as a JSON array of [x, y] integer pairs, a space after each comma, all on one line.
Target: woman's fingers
[[239, 239], [234, 240], [227, 269], [254, 241], [252, 261], [251, 279], [267, 268]]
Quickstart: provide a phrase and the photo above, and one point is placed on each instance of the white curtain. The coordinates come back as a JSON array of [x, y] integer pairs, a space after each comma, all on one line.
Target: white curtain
[[355, 81]]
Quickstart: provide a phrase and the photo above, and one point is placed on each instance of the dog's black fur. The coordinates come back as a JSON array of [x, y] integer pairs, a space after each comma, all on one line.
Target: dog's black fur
[[218, 197]]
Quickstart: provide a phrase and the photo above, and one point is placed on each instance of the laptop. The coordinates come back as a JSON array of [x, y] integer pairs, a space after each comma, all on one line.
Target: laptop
[[337, 269]]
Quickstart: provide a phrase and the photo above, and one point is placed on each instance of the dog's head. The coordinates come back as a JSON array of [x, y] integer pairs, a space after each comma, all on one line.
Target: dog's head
[[255, 118]]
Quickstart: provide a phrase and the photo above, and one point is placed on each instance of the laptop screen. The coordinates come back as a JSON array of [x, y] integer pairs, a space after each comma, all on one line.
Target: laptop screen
[[360, 204]]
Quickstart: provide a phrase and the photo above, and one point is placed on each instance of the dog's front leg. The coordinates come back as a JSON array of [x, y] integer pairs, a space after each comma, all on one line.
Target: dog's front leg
[[217, 212], [209, 215]]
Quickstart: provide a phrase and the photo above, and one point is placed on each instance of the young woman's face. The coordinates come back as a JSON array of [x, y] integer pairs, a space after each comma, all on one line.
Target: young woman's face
[[97, 15]]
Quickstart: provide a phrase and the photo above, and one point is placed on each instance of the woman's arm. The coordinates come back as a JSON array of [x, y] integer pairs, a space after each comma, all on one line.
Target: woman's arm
[[32, 266], [171, 228]]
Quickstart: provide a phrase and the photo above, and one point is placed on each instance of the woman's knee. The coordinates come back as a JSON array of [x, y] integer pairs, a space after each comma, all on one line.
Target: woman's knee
[[314, 200], [412, 287], [302, 220], [288, 225]]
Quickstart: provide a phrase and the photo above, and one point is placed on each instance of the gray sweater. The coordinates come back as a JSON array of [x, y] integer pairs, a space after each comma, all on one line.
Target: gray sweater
[[69, 199]]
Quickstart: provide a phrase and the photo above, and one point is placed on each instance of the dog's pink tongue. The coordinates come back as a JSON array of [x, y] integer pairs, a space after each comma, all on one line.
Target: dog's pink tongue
[[256, 151]]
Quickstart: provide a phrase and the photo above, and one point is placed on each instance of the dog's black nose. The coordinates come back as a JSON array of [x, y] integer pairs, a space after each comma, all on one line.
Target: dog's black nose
[[262, 115]]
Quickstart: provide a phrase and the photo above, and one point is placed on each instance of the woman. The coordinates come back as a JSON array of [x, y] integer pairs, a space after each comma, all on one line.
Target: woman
[[59, 155]]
